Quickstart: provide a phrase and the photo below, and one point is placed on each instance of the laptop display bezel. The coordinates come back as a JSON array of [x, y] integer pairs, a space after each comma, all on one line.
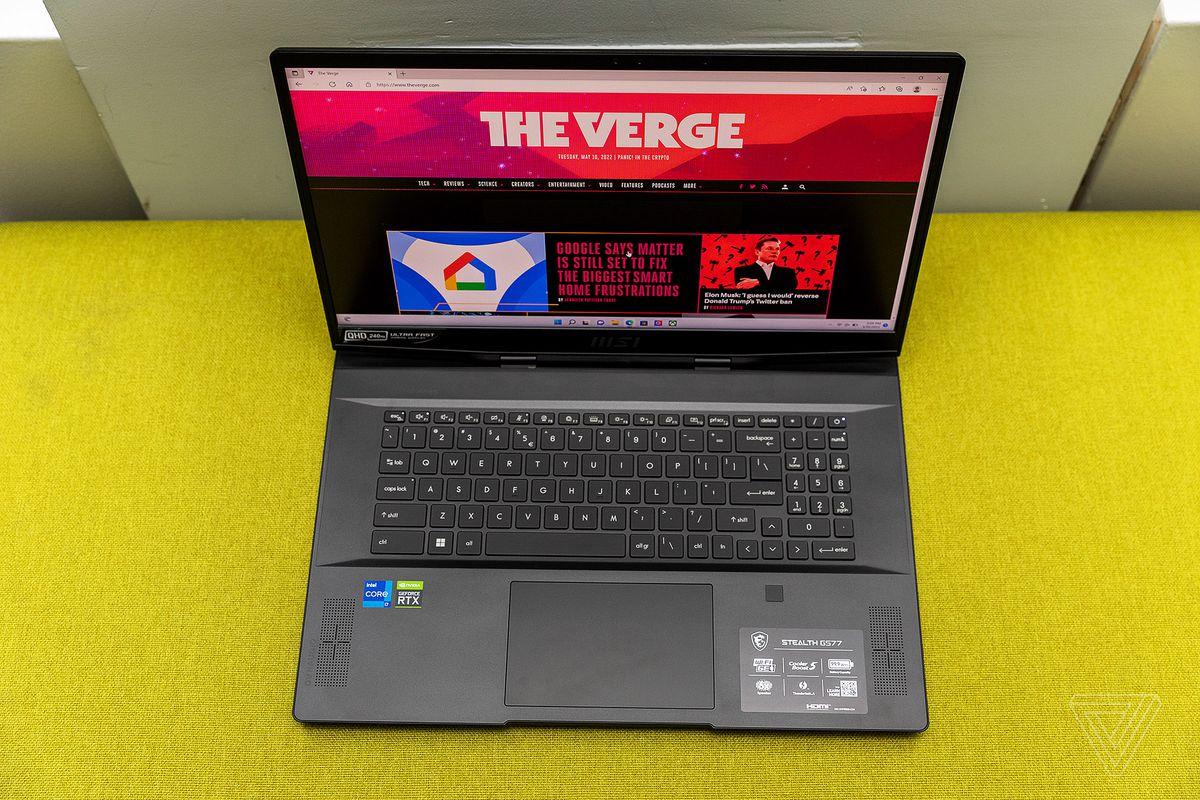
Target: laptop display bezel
[[568, 342]]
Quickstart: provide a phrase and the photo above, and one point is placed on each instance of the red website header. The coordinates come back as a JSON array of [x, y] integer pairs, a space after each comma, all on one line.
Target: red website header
[[814, 137]]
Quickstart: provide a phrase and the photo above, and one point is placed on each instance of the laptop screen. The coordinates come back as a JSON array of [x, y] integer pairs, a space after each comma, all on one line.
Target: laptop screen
[[613, 199]]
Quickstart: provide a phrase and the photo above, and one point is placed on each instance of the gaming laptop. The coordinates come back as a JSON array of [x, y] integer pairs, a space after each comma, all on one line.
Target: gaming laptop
[[614, 432]]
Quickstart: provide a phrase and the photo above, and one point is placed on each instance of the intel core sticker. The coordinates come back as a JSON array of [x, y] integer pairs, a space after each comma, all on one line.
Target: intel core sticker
[[803, 671], [377, 594]]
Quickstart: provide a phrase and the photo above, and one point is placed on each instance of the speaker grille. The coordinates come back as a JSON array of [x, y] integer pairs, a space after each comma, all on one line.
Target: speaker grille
[[889, 677], [333, 651]]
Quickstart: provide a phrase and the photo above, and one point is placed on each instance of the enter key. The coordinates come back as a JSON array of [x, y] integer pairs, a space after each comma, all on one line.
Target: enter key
[[756, 493]]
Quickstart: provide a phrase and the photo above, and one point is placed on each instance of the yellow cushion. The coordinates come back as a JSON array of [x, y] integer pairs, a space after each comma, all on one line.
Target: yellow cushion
[[164, 391]]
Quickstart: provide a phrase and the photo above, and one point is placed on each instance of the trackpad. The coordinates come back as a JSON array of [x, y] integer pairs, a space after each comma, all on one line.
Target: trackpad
[[614, 645]]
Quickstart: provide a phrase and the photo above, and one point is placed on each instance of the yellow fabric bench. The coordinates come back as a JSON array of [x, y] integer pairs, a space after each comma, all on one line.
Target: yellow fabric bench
[[164, 389]]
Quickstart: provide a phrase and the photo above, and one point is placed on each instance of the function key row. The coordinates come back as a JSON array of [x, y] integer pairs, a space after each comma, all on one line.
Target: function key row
[[394, 416]]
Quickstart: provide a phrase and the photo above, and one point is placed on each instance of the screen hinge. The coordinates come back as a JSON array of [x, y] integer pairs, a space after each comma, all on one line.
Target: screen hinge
[[529, 362], [702, 362]]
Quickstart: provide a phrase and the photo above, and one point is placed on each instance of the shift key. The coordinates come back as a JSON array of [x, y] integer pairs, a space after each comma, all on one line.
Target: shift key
[[399, 515]]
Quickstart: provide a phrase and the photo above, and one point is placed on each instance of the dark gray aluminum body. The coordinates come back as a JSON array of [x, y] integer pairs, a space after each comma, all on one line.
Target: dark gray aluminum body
[[446, 662]]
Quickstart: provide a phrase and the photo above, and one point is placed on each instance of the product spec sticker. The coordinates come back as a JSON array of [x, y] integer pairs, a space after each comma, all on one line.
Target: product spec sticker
[[803, 671]]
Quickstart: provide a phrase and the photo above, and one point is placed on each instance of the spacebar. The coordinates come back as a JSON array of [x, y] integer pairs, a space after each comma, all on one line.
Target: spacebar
[[606, 545]]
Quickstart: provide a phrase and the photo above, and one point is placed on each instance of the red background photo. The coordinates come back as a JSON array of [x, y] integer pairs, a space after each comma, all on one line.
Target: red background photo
[[812, 256]]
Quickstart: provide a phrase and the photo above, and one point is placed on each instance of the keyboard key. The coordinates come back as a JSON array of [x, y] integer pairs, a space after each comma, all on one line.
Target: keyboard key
[[552, 439], [699, 519], [766, 468], [594, 545], [662, 440], [389, 437], [398, 542], [443, 417], [842, 506], [768, 420], [645, 420], [842, 551], [747, 549], [837, 422], [691, 441], [840, 483], [641, 519], [618, 419], [441, 543], [839, 440], [470, 516], [795, 461], [808, 527], [454, 464], [670, 545], [757, 441], [816, 483], [469, 544], [518, 418], [839, 462], [393, 463], [579, 439], [641, 545], [793, 440], [649, 466], [730, 519], [395, 488], [393, 416], [637, 440], [493, 418], [418, 416], [668, 420], [756, 493], [684, 493], [568, 418], [818, 505], [543, 418], [399, 515], [797, 550], [693, 420], [713, 493], [771, 526], [670, 519], [470, 417], [593, 419], [719, 442], [814, 421], [793, 421], [718, 421], [620, 465], [722, 547], [843, 528], [796, 505], [743, 420], [469, 438], [697, 545], [733, 467], [772, 550], [815, 440]]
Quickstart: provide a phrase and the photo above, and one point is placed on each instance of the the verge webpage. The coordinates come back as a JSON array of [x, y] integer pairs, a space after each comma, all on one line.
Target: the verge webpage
[[687, 200]]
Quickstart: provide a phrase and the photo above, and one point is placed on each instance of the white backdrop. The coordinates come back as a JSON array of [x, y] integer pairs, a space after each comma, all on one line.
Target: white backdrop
[[184, 88]]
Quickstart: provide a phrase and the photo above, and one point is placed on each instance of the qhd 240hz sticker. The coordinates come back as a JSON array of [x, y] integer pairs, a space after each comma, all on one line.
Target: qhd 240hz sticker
[[393, 594]]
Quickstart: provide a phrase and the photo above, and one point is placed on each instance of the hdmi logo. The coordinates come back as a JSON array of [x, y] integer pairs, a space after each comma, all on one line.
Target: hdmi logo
[[617, 342]]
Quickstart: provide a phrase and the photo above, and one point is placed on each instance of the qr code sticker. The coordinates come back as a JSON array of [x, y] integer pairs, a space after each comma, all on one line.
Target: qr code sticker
[[849, 688]]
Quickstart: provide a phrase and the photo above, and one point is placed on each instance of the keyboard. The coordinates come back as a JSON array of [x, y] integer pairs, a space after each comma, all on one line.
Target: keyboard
[[662, 488]]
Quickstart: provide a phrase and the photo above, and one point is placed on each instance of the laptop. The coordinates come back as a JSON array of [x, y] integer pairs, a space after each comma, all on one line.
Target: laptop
[[614, 431]]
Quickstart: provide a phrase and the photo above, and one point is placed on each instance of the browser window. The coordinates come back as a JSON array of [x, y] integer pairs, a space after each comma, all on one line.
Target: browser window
[[664, 199]]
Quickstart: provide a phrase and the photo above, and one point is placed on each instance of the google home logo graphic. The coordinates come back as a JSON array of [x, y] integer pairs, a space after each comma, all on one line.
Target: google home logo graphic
[[479, 277]]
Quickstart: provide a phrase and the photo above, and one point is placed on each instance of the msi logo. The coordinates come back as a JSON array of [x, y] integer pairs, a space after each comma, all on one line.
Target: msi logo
[[617, 342], [759, 639]]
